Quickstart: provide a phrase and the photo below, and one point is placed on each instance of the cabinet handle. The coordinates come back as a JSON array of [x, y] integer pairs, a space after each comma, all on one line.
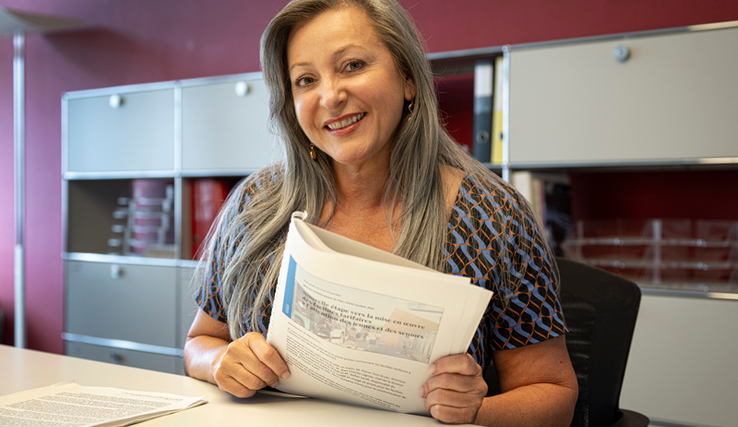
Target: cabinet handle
[[621, 53], [115, 271], [115, 101], [242, 89]]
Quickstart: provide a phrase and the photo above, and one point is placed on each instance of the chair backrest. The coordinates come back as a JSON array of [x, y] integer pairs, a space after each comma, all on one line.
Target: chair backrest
[[600, 310]]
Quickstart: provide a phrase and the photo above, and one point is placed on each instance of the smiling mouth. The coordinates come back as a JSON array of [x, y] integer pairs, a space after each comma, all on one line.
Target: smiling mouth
[[346, 122]]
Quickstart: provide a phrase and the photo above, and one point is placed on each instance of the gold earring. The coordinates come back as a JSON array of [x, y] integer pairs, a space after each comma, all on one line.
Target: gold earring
[[410, 108], [313, 155]]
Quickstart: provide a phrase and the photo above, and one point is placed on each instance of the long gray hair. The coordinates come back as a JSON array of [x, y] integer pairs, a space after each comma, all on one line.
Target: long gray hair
[[414, 184]]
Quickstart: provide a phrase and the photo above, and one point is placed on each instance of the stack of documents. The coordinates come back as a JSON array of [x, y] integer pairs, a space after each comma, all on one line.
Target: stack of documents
[[73, 405]]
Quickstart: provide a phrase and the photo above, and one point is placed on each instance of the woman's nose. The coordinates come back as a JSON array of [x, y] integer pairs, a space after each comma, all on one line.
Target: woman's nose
[[333, 95]]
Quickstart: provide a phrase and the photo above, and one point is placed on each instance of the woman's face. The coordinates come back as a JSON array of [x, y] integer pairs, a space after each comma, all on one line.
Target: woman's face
[[348, 93]]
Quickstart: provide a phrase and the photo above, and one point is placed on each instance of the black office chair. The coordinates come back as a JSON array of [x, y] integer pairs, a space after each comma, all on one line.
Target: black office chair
[[600, 310]]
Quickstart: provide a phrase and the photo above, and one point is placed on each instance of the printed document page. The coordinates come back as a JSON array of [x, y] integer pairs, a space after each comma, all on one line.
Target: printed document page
[[360, 325], [72, 405]]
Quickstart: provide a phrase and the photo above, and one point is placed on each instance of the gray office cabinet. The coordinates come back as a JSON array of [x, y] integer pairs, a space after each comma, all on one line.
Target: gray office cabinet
[[121, 301], [128, 307], [187, 307], [224, 125], [681, 367], [125, 357], [666, 98], [120, 130]]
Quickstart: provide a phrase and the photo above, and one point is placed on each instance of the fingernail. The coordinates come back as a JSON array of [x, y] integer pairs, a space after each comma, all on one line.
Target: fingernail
[[276, 383], [421, 392], [286, 375], [432, 368]]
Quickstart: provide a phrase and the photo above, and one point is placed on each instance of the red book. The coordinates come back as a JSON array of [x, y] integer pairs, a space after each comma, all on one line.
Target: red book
[[208, 195]]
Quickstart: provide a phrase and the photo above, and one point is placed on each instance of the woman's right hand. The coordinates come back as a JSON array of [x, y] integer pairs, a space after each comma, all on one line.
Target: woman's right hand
[[247, 365]]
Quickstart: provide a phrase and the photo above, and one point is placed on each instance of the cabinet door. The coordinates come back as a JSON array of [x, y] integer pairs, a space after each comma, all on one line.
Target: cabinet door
[[118, 356], [121, 301], [674, 99], [137, 135], [681, 365], [224, 130], [187, 307]]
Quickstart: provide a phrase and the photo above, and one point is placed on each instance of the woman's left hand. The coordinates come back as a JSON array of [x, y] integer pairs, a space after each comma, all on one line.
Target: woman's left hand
[[456, 390]]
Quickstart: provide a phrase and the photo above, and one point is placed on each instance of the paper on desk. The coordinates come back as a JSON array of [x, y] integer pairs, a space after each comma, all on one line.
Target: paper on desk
[[73, 405]]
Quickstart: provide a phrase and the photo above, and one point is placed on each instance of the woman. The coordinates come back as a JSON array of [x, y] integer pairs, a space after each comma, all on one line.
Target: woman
[[353, 100]]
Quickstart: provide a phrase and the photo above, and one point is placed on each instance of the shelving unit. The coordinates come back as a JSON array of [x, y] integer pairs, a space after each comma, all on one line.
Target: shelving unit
[[575, 105], [572, 107], [128, 256], [686, 255]]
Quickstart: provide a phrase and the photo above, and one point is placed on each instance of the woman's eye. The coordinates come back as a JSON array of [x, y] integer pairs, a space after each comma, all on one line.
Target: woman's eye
[[303, 81], [354, 65]]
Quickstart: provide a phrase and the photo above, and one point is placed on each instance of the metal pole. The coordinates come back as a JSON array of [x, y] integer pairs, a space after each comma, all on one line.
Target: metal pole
[[19, 157], [506, 113]]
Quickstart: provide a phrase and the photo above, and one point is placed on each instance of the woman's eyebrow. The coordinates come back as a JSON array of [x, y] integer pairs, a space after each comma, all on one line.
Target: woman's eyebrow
[[299, 64], [335, 55], [342, 50]]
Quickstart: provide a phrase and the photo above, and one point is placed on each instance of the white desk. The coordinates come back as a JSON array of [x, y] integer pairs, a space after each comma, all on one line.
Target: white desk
[[26, 369]]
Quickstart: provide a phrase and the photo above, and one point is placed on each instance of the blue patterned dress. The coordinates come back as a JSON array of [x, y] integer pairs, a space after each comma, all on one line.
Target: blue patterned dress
[[475, 247]]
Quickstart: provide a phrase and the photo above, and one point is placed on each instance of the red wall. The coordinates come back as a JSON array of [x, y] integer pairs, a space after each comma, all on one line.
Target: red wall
[[138, 41]]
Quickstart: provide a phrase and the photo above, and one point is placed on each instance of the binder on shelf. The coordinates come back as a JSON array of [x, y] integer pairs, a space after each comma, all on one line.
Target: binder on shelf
[[208, 195], [497, 119], [533, 189], [483, 85], [549, 196]]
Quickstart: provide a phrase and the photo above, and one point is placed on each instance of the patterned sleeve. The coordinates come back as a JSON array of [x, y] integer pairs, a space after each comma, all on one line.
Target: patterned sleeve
[[491, 228], [209, 296]]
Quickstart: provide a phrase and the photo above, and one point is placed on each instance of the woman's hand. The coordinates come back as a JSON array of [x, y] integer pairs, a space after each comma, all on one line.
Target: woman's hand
[[247, 365], [456, 390]]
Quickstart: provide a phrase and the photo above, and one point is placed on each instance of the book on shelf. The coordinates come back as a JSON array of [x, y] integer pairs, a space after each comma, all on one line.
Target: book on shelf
[[497, 116], [533, 189], [549, 196], [360, 325], [483, 85], [208, 195]]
